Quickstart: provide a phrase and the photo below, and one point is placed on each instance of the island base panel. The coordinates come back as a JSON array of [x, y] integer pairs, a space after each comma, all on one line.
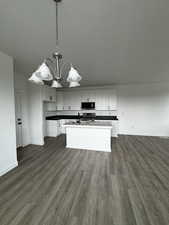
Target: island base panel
[[89, 139]]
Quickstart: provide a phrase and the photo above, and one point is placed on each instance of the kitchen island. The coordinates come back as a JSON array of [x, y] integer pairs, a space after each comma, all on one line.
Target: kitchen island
[[89, 135]]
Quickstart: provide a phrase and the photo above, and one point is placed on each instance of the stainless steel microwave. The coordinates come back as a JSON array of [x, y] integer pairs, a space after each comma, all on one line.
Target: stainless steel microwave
[[88, 105]]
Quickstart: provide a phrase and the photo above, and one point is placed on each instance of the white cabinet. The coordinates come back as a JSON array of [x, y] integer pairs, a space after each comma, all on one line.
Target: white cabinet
[[50, 106], [71, 101], [59, 101], [83, 96], [112, 100], [75, 101], [101, 100], [91, 95], [56, 127], [66, 101], [115, 128], [87, 96], [48, 94], [62, 128], [52, 128], [52, 94], [105, 99], [59, 127]]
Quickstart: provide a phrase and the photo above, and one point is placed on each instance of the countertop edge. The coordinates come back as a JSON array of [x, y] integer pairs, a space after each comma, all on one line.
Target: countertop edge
[[88, 126], [60, 117]]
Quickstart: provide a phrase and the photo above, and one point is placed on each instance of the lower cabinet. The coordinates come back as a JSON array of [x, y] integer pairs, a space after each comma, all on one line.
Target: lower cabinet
[[52, 128], [56, 127], [115, 128], [62, 128]]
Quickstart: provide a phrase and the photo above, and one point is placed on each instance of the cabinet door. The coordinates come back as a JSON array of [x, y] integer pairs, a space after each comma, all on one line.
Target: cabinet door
[[69, 101], [44, 93], [101, 100], [83, 96], [66, 98], [52, 94], [59, 101], [51, 128], [75, 101], [106, 100], [48, 94], [59, 128], [51, 106], [115, 128], [91, 96], [62, 128], [112, 100]]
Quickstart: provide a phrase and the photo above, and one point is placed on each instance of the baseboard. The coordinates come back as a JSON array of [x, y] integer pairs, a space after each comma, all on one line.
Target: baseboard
[[8, 169], [143, 135]]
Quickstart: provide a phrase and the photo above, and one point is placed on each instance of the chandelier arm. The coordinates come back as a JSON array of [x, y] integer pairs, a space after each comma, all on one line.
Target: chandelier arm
[[64, 65], [48, 59], [50, 67]]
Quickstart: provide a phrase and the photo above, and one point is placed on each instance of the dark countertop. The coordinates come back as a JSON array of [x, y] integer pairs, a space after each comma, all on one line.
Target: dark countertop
[[59, 117]]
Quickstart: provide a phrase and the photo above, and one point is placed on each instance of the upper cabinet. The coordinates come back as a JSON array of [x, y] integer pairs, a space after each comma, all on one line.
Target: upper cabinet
[[87, 96], [105, 99], [48, 94], [75, 103], [71, 100], [112, 102], [59, 101]]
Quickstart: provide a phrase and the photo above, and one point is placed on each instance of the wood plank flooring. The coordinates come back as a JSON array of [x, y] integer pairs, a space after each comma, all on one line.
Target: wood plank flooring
[[57, 186]]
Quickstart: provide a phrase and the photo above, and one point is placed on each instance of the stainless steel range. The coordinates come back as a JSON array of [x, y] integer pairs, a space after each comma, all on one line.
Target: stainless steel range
[[88, 116]]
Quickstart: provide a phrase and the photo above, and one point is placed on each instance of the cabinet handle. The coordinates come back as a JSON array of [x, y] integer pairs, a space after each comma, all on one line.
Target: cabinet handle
[[50, 98]]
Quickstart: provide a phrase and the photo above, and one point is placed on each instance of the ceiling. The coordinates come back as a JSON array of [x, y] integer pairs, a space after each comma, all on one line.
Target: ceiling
[[109, 42]]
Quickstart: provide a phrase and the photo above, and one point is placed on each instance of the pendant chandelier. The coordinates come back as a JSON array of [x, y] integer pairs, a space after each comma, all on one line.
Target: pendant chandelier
[[49, 72]]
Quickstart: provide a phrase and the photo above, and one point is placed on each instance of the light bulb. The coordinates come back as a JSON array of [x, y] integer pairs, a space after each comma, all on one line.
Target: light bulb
[[56, 84]]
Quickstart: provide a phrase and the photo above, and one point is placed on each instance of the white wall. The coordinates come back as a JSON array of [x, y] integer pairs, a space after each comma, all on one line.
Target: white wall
[[21, 85], [144, 109], [36, 114], [8, 158]]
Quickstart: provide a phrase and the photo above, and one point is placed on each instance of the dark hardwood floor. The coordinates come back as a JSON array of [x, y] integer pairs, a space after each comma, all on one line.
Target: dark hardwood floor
[[57, 186]]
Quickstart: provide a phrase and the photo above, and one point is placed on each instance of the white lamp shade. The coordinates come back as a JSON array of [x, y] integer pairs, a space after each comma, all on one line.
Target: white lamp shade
[[74, 84], [73, 76], [56, 84], [44, 73], [35, 79]]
